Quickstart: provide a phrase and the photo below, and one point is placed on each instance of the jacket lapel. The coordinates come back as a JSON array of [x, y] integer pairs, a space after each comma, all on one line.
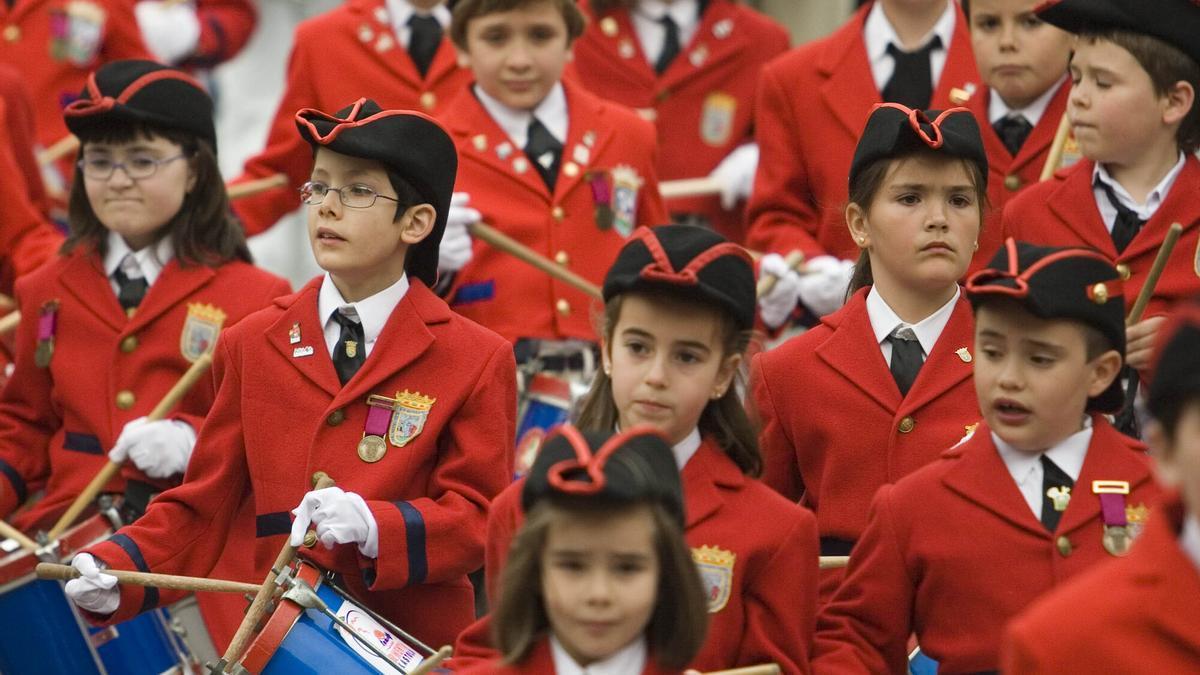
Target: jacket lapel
[[960, 65], [705, 474], [481, 139], [1075, 205], [1121, 464], [980, 476], [1180, 207], [848, 89], [717, 40], [84, 277], [949, 368], [301, 309], [852, 351], [1042, 135], [588, 134], [376, 33], [172, 287]]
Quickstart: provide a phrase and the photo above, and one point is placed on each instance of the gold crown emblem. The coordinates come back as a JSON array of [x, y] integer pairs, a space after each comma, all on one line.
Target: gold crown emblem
[[206, 312], [414, 400], [1137, 514], [713, 555]]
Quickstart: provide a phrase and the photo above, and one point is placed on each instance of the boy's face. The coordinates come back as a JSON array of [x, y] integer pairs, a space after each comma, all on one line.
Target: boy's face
[[1032, 375], [519, 55], [1018, 54], [1115, 114], [1177, 459]]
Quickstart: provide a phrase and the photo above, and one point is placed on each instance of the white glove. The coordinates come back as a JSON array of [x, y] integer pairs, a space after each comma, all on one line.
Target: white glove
[[93, 591], [736, 174], [340, 518], [170, 30], [824, 283], [776, 306], [160, 449], [455, 249]]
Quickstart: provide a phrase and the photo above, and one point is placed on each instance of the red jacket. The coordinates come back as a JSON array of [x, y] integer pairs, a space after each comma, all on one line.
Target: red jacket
[[281, 415], [58, 423], [225, 27], [953, 551], [702, 105], [540, 661], [1062, 211], [813, 103], [506, 294], [27, 238], [1138, 614], [834, 426], [57, 43], [761, 581], [370, 62], [1007, 175]]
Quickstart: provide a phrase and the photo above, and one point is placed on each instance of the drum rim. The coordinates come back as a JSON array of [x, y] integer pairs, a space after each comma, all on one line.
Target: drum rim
[[286, 613], [16, 566]]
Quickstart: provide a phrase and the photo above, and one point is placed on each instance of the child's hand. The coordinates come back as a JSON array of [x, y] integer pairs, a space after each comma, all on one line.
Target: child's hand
[[160, 448], [736, 174], [1139, 342], [340, 518], [455, 249], [775, 307], [171, 30], [93, 590]]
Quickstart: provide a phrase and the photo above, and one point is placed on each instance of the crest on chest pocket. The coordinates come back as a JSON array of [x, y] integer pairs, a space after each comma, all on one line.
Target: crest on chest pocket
[[715, 565], [76, 31], [409, 413], [200, 330], [716, 118]]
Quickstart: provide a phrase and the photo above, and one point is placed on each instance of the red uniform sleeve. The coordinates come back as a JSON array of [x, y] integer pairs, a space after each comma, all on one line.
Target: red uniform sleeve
[[652, 210], [781, 472], [865, 627], [122, 36], [780, 210], [441, 537], [1018, 658], [225, 28]]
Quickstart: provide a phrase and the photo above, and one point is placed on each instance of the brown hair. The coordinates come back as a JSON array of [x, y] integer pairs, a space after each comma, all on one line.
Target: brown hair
[[680, 620], [724, 419], [1166, 65], [602, 6], [465, 10], [203, 232], [866, 186]]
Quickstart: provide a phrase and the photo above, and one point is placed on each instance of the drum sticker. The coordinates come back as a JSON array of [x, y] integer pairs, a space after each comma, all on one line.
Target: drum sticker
[[716, 574], [397, 651], [408, 416], [716, 118], [625, 186], [200, 330], [76, 30]]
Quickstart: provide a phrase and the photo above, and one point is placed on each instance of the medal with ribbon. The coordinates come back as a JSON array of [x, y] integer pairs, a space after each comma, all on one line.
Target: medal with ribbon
[[46, 328], [602, 198], [1112, 511], [373, 446]]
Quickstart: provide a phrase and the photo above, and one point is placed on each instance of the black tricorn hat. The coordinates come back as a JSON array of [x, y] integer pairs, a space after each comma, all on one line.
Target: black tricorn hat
[[688, 259], [631, 466], [894, 130], [1176, 22], [136, 91], [1079, 284], [1175, 379], [410, 143]]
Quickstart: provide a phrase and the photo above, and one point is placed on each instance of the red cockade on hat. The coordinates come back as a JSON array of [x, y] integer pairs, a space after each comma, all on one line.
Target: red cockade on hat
[[98, 103], [917, 117], [662, 269], [306, 116], [558, 476], [984, 280]]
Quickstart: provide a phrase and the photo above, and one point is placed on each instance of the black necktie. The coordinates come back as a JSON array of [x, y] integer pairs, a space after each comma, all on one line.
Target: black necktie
[[129, 291], [350, 351], [907, 358], [423, 41], [1127, 223], [912, 81], [671, 46], [544, 151], [1053, 479], [1012, 132]]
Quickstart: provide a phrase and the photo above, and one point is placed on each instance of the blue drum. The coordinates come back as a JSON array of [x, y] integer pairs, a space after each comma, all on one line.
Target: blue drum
[[45, 634], [545, 404], [300, 641]]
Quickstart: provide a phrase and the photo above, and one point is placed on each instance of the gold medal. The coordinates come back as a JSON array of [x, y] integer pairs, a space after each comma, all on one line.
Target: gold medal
[[45, 350], [1116, 540], [372, 448], [351, 348]]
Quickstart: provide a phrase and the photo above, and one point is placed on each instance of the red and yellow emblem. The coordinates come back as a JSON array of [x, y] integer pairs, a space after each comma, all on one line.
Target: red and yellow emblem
[[200, 330], [716, 574], [409, 412]]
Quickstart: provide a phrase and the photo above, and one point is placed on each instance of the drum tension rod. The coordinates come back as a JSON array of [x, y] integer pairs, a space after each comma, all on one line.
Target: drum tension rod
[[302, 594]]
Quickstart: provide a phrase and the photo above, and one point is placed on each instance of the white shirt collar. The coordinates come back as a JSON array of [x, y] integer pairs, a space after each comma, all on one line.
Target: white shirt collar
[[651, 34], [400, 11], [927, 330], [1144, 211], [552, 112], [878, 33], [373, 312], [150, 260], [684, 449], [1189, 538], [629, 659], [1026, 467], [998, 109]]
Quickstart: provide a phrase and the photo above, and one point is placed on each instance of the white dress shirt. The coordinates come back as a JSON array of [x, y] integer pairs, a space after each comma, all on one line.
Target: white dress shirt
[[372, 312], [630, 659], [1144, 211], [998, 109], [884, 322], [400, 11], [878, 33], [1026, 467], [147, 263], [652, 35], [552, 112]]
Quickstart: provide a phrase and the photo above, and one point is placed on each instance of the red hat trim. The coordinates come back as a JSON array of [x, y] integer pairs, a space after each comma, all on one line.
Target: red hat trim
[[917, 117], [593, 464], [982, 281], [98, 103], [662, 269], [305, 116]]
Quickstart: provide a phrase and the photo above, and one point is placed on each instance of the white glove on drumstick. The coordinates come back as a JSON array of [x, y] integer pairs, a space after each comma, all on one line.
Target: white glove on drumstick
[[160, 449], [171, 30], [455, 250], [340, 518], [736, 174], [93, 590], [824, 283], [778, 304]]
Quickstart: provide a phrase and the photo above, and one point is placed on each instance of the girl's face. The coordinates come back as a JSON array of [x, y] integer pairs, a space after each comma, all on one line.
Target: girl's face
[[600, 576], [922, 227], [666, 361], [136, 207]]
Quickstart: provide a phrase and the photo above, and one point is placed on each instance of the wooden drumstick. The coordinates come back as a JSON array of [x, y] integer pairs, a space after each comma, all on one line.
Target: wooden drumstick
[[690, 187], [832, 562], [171, 581], [245, 631], [9, 322], [1156, 270], [760, 669], [110, 470], [253, 187], [18, 536], [7, 302], [61, 148], [433, 661], [1056, 148], [767, 282], [503, 242]]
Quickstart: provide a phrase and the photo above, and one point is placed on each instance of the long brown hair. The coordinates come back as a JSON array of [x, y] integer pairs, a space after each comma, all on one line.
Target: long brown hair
[[679, 623], [724, 419], [203, 232]]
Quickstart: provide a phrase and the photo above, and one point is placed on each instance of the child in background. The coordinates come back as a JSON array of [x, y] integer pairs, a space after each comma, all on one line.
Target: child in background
[[599, 578], [883, 385]]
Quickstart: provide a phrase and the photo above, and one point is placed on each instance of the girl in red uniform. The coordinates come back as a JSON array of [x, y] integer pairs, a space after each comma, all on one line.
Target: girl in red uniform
[[617, 591], [679, 307], [836, 423]]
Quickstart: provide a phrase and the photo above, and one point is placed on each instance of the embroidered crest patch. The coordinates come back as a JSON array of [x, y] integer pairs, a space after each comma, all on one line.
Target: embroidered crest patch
[[408, 416], [716, 118], [716, 574], [200, 330]]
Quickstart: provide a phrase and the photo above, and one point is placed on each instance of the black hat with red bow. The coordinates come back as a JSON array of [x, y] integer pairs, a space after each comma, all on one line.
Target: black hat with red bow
[[141, 92], [894, 130]]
